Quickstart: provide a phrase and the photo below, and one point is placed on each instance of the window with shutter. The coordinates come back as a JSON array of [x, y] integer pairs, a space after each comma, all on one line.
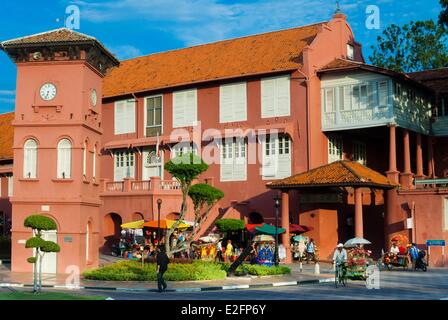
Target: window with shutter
[[360, 152], [232, 103], [10, 185], [276, 157], [185, 108], [335, 147], [275, 97], [124, 166], [383, 92], [124, 118], [153, 118], [30, 159], [64, 159], [233, 160]]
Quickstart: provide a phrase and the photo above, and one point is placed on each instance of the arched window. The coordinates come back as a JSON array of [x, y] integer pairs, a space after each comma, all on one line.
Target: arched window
[[64, 159], [84, 160], [30, 159], [94, 163], [88, 240]]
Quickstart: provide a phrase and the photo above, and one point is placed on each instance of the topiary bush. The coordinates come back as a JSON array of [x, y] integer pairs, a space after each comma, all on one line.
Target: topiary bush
[[228, 225], [40, 222], [258, 270]]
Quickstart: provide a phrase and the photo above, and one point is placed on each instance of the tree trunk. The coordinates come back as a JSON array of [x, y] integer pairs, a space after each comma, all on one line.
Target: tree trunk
[[183, 212], [36, 262], [40, 271]]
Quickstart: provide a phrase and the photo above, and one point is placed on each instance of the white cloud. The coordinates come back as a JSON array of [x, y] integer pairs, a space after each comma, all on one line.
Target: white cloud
[[124, 52], [201, 21]]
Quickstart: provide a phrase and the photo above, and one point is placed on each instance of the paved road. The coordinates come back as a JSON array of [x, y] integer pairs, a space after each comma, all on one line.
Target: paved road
[[394, 285]]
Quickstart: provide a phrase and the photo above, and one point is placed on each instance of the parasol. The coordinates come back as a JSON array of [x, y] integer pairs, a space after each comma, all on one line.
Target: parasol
[[165, 224], [268, 229], [295, 228], [133, 225], [299, 238], [264, 238], [355, 241]]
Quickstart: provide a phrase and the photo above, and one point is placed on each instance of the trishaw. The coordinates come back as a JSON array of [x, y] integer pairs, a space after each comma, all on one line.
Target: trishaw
[[401, 260], [358, 259]]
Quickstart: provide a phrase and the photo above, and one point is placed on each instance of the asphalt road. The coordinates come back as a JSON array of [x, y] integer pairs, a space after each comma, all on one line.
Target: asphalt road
[[394, 285]]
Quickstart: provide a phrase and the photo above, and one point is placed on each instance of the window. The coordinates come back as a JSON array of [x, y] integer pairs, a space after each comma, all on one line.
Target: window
[[183, 148], [275, 97], [10, 186], [84, 160], [335, 146], [442, 110], [64, 170], [30, 159], [232, 103], [153, 116], [350, 52], [276, 157], [329, 100], [234, 160], [123, 165], [360, 152], [360, 99], [152, 163], [383, 93], [94, 163], [124, 116], [185, 108]]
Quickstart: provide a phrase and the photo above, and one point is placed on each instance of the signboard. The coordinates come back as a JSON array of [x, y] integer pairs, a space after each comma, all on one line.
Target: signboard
[[68, 239], [435, 243], [321, 198]]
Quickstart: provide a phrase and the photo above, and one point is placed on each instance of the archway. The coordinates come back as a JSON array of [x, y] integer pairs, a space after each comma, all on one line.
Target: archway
[[255, 218], [112, 230]]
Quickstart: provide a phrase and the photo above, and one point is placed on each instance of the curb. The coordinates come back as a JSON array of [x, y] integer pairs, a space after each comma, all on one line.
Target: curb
[[180, 290]]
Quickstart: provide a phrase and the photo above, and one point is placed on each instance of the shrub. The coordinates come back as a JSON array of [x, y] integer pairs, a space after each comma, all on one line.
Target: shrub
[[258, 270], [134, 271], [39, 222], [226, 225]]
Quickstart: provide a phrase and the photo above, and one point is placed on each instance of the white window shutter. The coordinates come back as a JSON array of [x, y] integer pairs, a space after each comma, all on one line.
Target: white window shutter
[[240, 162], [64, 159], [130, 117], [118, 170], [283, 96], [178, 109], [284, 166], [10, 186], [27, 163], [119, 119], [268, 165], [226, 103], [383, 94], [267, 98], [191, 108], [240, 102]]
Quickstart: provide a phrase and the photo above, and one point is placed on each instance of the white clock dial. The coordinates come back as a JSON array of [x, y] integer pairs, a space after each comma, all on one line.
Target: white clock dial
[[48, 91], [94, 97]]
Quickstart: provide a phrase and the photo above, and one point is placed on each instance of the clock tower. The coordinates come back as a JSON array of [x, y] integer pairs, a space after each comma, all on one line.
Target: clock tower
[[57, 141]]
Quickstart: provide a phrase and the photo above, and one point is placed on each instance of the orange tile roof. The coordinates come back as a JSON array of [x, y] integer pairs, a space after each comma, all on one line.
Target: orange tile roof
[[58, 35], [6, 136], [336, 174], [258, 54]]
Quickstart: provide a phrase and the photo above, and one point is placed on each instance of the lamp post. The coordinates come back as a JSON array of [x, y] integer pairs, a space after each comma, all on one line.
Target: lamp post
[[277, 205], [159, 204]]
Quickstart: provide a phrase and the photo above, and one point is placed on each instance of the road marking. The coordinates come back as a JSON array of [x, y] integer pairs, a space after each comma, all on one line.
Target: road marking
[[283, 284], [9, 285], [326, 280], [109, 298], [188, 290], [242, 286]]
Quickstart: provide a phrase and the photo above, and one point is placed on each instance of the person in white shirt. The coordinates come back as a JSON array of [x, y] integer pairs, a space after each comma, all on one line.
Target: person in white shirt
[[340, 255], [394, 249]]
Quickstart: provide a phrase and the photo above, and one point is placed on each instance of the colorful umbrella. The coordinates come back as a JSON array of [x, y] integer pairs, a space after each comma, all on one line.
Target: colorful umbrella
[[264, 238], [299, 238], [355, 241], [295, 228], [165, 224], [268, 229], [251, 227], [133, 225]]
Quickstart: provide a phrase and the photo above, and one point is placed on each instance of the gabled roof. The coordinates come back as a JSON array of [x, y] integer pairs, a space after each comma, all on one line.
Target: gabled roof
[[337, 174], [6, 136], [252, 55], [343, 65], [52, 36]]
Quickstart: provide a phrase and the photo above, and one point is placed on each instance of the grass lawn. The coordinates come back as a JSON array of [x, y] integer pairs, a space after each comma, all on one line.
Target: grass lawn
[[45, 296]]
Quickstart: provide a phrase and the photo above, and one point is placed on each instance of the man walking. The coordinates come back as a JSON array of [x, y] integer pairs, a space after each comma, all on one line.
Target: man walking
[[162, 266], [310, 251]]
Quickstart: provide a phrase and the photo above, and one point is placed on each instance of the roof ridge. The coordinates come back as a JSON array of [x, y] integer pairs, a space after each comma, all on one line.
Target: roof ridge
[[47, 32], [344, 164], [226, 40]]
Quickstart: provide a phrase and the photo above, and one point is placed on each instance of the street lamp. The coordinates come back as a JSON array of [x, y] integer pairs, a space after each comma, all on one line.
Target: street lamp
[[277, 205], [159, 204]]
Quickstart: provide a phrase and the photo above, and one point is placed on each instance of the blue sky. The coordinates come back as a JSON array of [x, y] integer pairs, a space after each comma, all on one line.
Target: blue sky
[[131, 28]]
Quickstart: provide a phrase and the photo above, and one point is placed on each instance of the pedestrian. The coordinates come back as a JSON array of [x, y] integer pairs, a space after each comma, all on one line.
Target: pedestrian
[[162, 267], [413, 252], [229, 250], [281, 253], [310, 251], [219, 250]]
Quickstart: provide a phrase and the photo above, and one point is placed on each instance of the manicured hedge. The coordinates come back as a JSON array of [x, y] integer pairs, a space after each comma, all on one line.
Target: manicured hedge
[[134, 271], [227, 225], [258, 270]]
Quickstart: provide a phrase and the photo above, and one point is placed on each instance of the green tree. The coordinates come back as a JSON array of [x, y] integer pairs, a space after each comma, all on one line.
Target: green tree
[[185, 168], [204, 198], [39, 223], [416, 46], [443, 16]]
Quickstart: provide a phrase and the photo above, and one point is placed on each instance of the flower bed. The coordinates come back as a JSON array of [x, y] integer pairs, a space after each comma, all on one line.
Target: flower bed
[[259, 270], [134, 271]]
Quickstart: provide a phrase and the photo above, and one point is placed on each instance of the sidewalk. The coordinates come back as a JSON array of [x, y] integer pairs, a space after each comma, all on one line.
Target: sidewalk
[[10, 279]]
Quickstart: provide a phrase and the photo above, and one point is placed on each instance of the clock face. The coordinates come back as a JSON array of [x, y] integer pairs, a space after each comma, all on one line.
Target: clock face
[[48, 91], [94, 97]]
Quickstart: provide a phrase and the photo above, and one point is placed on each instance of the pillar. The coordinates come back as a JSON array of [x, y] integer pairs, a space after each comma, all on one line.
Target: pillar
[[392, 174], [359, 224], [406, 178], [431, 172], [419, 156], [285, 225]]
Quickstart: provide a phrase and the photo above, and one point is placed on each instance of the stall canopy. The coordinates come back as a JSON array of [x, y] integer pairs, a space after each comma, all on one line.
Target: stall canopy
[[295, 228], [268, 229], [133, 225], [165, 224]]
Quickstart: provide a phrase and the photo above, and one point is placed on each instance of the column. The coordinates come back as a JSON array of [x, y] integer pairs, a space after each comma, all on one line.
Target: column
[[431, 172], [359, 224], [406, 178], [285, 225], [419, 156], [392, 174]]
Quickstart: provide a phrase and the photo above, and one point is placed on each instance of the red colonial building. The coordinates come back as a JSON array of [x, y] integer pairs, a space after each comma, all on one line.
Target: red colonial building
[[82, 143]]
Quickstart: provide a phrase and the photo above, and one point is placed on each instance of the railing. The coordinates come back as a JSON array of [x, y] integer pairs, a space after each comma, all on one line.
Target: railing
[[437, 183], [169, 185], [141, 185], [355, 118], [115, 186]]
